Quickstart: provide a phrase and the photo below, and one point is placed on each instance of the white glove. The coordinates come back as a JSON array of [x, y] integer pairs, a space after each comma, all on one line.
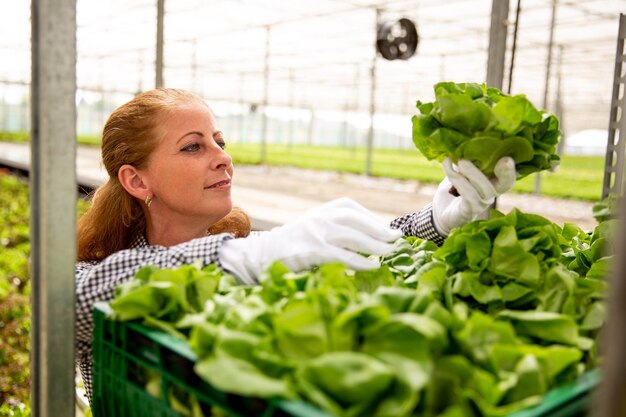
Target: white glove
[[332, 232], [476, 192]]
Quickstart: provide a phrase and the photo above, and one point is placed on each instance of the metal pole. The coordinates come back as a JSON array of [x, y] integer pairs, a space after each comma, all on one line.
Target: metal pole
[[292, 105], [194, 67], [101, 110], [558, 105], [497, 48], [442, 67], [355, 106], [4, 111], [140, 74], [53, 206], [514, 47], [497, 43], [242, 132], [613, 182], [159, 43], [311, 131], [370, 133], [546, 88], [343, 136], [266, 72], [406, 104], [610, 397]]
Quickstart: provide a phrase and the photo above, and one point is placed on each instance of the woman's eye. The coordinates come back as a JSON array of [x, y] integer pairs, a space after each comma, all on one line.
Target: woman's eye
[[192, 147], [221, 143]]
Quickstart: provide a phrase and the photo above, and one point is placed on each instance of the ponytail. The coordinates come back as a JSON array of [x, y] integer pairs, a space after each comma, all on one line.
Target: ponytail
[[237, 223], [110, 224]]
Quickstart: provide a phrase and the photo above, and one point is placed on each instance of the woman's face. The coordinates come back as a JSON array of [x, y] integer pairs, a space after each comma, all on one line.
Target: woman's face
[[189, 173]]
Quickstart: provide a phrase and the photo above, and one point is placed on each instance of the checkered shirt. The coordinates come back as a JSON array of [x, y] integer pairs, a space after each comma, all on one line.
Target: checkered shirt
[[96, 281], [419, 224]]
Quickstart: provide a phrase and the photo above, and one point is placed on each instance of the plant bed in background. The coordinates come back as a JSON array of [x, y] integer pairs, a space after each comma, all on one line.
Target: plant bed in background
[[14, 296], [578, 177]]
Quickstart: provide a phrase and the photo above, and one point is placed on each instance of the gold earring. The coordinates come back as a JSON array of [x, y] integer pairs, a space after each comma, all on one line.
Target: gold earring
[[148, 201]]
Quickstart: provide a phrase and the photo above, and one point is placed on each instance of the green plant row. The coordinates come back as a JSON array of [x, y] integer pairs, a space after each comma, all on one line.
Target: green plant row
[[578, 177], [14, 296], [21, 137]]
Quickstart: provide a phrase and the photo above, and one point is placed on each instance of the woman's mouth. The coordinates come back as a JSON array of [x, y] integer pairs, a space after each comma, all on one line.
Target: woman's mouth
[[221, 185]]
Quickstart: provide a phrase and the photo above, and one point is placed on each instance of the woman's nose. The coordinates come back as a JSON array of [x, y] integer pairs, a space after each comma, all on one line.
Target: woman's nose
[[222, 160]]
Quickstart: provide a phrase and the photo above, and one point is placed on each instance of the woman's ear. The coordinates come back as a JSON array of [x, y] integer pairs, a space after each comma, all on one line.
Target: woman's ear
[[133, 182]]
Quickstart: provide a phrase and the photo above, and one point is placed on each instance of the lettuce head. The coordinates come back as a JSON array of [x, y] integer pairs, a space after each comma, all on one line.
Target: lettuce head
[[482, 124]]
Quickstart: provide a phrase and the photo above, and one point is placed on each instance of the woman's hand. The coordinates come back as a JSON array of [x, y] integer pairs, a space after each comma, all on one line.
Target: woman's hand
[[475, 191], [338, 231]]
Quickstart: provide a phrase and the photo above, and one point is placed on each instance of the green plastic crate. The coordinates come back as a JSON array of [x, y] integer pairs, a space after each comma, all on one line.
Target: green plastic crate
[[570, 400], [124, 351]]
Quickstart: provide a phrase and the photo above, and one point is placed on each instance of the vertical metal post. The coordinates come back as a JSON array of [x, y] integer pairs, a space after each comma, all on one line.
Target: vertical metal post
[[497, 47], [615, 148], [292, 105], [610, 397], [442, 67], [558, 105], [546, 87], [53, 206], [3, 111], [140, 73], [101, 111], [24, 115], [266, 73], [355, 106], [370, 133], [497, 42], [406, 103], [242, 131], [311, 131], [194, 67], [343, 136], [514, 47], [159, 43]]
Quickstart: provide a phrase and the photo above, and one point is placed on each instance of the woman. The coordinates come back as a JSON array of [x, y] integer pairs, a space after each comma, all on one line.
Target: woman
[[167, 203]]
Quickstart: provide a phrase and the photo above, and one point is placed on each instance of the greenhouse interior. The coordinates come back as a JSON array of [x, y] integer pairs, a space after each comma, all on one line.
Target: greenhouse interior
[[338, 208]]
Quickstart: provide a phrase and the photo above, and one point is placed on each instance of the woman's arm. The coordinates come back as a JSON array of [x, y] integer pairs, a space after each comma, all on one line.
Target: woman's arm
[[474, 194], [97, 282], [419, 224]]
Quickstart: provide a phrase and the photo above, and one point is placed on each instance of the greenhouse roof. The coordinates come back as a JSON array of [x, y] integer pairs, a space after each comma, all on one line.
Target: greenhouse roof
[[319, 55]]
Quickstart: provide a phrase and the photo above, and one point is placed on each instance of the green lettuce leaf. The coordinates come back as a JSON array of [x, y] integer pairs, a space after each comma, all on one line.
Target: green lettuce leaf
[[481, 124]]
